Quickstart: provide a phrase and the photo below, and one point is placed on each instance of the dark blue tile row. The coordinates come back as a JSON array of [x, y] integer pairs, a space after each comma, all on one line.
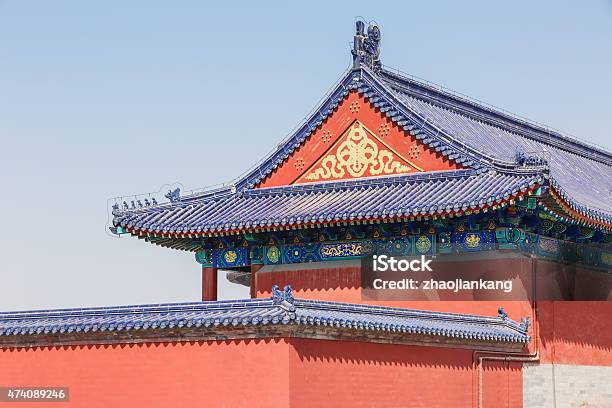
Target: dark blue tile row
[[413, 195], [282, 308]]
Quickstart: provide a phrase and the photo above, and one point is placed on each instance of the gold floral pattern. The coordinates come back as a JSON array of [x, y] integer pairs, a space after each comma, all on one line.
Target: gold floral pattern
[[356, 153], [345, 249], [414, 152], [384, 129], [230, 256], [472, 240]]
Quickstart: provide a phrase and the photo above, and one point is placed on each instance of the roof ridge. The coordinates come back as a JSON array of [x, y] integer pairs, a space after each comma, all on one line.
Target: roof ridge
[[277, 298], [281, 301]]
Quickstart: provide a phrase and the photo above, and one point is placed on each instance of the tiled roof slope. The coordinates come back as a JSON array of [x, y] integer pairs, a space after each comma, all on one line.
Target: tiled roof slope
[[279, 310], [582, 171], [398, 196]]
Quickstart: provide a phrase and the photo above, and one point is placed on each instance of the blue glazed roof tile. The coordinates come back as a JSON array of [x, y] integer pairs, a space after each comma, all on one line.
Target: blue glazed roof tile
[[418, 194], [482, 139], [281, 309], [582, 170]]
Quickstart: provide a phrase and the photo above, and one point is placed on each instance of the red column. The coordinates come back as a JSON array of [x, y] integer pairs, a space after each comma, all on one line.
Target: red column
[[209, 283], [254, 269]]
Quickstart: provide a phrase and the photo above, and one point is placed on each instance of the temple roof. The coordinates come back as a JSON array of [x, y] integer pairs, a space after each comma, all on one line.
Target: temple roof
[[61, 326], [389, 197], [497, 154]]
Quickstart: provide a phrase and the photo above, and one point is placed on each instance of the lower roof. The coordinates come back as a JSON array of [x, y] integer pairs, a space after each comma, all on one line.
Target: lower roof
[[48, 327], [399, 196]]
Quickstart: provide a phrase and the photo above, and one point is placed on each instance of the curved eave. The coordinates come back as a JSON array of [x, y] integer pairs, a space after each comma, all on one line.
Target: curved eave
[[577, 209], [564, 208], [388, 214]]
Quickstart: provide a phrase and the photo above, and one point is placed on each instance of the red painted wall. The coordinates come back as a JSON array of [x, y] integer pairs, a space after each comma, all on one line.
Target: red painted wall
[[325, 373], [570, 332], [576, 332], [342, 283], [253, 373], [231, 373], [502, 384], [338, 283]]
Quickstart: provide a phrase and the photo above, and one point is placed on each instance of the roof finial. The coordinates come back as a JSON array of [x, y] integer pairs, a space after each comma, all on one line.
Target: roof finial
[[525, 323], [173, 195], [366, 48], [279, 296]]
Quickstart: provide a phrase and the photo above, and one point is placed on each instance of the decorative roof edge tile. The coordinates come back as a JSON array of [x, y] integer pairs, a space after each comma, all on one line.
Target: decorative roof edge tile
[[575, 213]]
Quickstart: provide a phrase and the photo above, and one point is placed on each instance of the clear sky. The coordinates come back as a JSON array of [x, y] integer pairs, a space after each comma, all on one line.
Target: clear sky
[[99, 99]]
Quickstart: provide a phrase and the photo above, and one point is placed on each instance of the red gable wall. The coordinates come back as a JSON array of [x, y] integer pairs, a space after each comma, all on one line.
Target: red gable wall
[[356, 141]]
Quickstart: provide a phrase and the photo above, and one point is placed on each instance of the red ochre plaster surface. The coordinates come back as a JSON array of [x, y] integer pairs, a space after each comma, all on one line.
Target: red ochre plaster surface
[[573, 332], [576, 333], [187, 374], [502, 384], [326, 373], [254, 373]]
